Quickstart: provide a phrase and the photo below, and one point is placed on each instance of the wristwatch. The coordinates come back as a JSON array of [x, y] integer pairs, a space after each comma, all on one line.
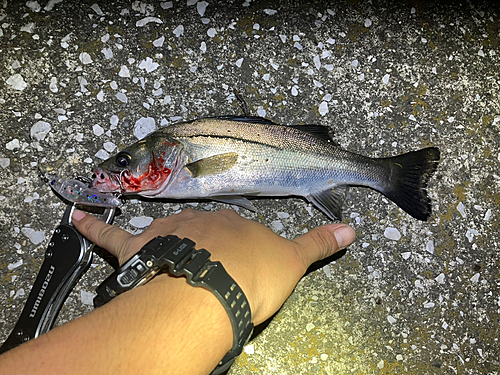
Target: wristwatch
[[178, 257]]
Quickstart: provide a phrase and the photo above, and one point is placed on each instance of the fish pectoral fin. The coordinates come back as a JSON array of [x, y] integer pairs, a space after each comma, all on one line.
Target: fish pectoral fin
[[213, 164], [319, 131], [237, 200], [330, 201]]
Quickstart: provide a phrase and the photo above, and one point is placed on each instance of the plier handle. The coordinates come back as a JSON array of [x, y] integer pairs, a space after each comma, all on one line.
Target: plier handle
[[67, 258]]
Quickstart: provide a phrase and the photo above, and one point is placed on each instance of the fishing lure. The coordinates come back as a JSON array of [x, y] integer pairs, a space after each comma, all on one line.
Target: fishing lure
[[77, 192]]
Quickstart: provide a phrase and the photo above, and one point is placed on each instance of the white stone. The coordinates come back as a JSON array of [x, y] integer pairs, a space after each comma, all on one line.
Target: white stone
[[159, 42], [34, 6], [166, 4], [98, 130], [391, 319], [310, 327], [124, 72], [277, 225], [29, 27], [141, 221], [108, 53], [17, 82], [471, 233], [368, 22], [144, 126], [102, 154], [270, 12], [19, 293], [317, 62], [392, 233], [203, 47], [146, 20], [85, 58], [488, 214], [323, 108], [201, 7], [178, 31], [121, 97], [12, 145], [149, 65], [381, 364], [39, 130], [12, 266], [53, 85], [4, 162], [475, 278], [100, 96], [430, 246], [109, 146], [239, 62], [96, 9], [34, 236], [87, 298], [211, 32], [440, 278], [461, 209], [429, 305], [385, 79], [50, 5], [114, 121]]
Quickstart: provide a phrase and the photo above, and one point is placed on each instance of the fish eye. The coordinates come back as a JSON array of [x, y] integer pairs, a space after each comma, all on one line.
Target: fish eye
[[123, 159]]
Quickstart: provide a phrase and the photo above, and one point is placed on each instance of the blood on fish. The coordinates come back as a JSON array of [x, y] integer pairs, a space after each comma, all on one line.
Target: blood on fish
[[149, 180]]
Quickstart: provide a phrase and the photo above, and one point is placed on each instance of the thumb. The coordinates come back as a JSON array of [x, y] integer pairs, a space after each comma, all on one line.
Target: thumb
[[324, 241], [104, 235]]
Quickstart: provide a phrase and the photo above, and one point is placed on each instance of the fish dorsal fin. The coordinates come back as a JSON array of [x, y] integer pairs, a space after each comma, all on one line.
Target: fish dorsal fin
[[330, 201], [319, 131], [252, 119], [213, 164]]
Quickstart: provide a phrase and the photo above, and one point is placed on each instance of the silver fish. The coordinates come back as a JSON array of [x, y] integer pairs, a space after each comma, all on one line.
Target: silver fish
[[226, 158]]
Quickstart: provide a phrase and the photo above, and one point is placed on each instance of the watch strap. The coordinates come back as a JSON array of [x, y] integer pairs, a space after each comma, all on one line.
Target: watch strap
[[180, 258]]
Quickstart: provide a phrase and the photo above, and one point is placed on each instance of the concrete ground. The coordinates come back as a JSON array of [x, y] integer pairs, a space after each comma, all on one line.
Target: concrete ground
[[79, 80]]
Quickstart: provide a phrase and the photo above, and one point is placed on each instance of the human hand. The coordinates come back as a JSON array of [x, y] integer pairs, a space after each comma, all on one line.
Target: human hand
[[266, 266]]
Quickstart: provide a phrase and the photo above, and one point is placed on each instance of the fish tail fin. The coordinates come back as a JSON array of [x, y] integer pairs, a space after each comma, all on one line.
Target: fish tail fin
[[408, 177]]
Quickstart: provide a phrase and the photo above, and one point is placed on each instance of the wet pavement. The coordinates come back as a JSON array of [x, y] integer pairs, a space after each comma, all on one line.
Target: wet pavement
[[81, 80]]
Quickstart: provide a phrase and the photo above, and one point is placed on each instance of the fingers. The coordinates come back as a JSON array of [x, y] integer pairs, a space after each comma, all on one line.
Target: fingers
[[324, 241], [107, 236]]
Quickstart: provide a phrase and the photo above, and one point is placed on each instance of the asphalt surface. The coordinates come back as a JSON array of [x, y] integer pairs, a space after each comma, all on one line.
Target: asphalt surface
[[80, 80]]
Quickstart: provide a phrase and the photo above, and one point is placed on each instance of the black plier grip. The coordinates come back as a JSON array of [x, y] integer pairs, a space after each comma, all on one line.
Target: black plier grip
[[67, 258]]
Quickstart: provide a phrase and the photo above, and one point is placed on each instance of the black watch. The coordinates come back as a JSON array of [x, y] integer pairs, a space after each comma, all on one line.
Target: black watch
[[179, 258]]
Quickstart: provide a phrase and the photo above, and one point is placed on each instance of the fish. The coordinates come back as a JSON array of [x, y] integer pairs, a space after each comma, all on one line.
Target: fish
[[232, 158]]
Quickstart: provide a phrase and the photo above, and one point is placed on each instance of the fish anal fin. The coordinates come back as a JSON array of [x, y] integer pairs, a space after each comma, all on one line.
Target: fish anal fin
[[330, 201], [213, 164], [237, 200], [319, 131]]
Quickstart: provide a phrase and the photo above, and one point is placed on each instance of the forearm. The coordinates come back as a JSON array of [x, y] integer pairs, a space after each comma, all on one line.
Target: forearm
[[164, 327]]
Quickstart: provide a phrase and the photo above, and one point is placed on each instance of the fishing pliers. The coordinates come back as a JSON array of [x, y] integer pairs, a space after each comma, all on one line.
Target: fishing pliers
[[67, 258]]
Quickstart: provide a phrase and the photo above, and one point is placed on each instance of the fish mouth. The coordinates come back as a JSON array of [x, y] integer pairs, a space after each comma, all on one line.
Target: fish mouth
[[106, 182]]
